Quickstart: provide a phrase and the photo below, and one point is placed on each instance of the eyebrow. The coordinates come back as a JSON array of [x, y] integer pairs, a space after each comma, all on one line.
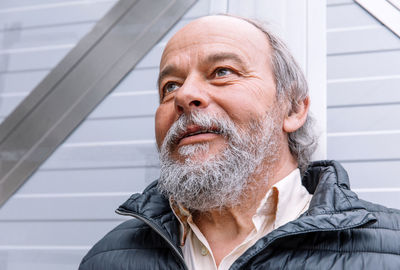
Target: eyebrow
[[217, 57], [168, 70], [212, 58]]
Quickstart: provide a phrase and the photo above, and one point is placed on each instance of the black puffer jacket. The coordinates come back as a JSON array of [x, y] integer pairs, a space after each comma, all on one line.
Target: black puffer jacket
[[338, 231]]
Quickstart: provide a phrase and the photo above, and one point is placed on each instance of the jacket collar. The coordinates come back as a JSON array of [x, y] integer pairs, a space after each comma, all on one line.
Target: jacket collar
[[155, 208], [329, 183]]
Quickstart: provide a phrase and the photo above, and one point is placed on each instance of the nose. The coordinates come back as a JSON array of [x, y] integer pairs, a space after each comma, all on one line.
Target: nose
[[190, 96]]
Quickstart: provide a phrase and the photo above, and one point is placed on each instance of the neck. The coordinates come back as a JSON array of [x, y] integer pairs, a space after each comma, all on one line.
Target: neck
[[238, 216], [228, 227]]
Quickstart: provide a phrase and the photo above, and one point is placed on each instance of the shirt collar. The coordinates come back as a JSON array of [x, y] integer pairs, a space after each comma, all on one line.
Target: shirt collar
[[183, 215], [286, 201], [293, 197]]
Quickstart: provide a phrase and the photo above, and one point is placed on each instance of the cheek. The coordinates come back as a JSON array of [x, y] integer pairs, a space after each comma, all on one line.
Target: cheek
[[163, 121], [263, 92], [247, 101]]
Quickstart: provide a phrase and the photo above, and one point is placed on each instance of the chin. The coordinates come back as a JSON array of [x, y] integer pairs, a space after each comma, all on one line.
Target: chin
[[196, 153], [197, 159]]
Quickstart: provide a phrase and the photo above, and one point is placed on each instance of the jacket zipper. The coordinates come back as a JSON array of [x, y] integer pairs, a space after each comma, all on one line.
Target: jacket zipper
[[150, 223]]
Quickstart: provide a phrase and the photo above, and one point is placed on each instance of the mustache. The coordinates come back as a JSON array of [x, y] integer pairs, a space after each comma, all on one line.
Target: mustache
[[207, 121]]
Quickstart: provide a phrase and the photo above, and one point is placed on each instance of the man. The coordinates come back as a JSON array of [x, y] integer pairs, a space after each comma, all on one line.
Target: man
[[236, 190]]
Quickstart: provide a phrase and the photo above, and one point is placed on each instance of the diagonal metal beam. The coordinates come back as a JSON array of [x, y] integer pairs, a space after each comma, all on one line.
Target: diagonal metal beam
[[385, 11], [78, 83]]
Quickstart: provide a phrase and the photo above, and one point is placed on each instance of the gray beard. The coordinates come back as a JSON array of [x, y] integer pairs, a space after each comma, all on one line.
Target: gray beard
[[224, 179]]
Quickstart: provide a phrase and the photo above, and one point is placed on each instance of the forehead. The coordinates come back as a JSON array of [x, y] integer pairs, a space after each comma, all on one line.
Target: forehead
[[213, 34]]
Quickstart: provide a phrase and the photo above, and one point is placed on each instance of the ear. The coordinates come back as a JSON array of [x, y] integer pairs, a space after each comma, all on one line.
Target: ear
[[297, 118]]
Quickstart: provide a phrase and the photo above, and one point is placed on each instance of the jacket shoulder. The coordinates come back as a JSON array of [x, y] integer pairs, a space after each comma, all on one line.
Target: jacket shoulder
[[386, 218], [131, 243], [114, 240]]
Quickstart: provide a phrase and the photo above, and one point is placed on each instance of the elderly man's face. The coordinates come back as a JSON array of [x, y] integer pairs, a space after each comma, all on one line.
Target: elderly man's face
[[219, 66]]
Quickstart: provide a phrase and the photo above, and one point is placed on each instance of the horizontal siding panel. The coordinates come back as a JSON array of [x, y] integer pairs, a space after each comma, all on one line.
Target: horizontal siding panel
[[103, 156], [87, 181], [62, 208], [24, 82], [364, 147], [7, 4], [361, 40], [53, 233], [55, 15], [343, 16], [364, 65], [127, 106], [377, 91], [201, 8], [139, 80], [114, 106], [50, 57], [32, 60], [47, 58], [21, 82], [388, 199], [364, 118], [339, 2], [114, 130], [382, 174], [44, 37], [43, 259], [152, 58]]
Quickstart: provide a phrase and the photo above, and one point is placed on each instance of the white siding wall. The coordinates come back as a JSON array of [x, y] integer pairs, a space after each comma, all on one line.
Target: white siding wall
[[35, 231], [364, 101], [69, 203]]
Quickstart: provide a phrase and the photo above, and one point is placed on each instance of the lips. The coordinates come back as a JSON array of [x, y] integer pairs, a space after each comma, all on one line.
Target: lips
[[194, 130], [200, 132]]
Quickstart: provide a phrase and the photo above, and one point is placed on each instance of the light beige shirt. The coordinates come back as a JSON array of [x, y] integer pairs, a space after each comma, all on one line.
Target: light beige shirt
[[284, 202]]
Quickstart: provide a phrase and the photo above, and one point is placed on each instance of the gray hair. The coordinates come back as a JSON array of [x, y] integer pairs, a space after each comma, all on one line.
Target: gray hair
[[291, 88]]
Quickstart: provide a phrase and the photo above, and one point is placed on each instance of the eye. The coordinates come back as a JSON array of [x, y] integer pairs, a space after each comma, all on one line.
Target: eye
[[221, 72], [170, 86]]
